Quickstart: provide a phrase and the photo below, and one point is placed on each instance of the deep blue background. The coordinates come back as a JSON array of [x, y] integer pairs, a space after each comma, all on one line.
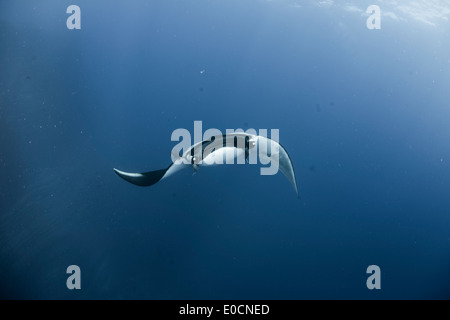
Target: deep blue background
[[364, 115]]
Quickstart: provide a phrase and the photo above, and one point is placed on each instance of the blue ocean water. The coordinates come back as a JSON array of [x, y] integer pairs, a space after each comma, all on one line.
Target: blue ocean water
[[364, 115]]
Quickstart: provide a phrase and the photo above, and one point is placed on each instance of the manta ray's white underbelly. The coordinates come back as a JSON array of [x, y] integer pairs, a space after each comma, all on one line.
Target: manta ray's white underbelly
[[222, 156]]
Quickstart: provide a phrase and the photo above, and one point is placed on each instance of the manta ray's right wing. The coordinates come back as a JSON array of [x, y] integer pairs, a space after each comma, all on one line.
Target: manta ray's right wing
[[268, 149], [287, 168]]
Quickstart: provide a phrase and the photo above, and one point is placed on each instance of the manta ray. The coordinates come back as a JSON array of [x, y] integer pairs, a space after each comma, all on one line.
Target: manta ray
[[220, 149]]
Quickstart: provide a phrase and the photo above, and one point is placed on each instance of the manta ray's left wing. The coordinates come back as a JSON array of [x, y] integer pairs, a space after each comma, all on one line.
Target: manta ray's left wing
[[150, 178]]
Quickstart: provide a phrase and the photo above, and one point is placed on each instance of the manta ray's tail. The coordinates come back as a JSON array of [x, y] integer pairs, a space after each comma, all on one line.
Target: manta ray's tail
[[142, 179]]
